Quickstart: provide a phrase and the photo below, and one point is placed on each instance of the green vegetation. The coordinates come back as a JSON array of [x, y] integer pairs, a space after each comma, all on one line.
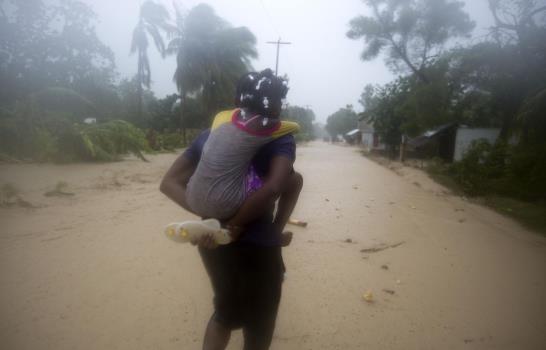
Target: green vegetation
[[506, 178], [502, 169], [153, 17], [60, 99], [531, 215], [342, 121], [211, 56], [498, 81], [413, 32], [304, 117]]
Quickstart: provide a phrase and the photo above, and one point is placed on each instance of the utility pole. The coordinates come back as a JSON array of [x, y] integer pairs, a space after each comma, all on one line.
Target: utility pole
[[278, 43]]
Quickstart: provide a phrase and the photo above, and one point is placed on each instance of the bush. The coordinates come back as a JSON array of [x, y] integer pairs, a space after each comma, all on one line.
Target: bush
[[303, 137], [102, 142], [481, 167], [172, 141], [501, 169], [22, 141], [58, 139], [526, 171]]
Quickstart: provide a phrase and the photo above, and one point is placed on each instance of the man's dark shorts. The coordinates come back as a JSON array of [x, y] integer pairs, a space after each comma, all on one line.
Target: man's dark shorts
[[246, 280]]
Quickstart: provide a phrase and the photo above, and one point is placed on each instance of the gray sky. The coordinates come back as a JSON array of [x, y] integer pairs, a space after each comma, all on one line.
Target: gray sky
[[322, 63]]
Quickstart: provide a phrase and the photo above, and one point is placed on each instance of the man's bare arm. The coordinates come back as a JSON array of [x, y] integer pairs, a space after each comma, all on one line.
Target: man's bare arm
[[174, 185], [176, 179]]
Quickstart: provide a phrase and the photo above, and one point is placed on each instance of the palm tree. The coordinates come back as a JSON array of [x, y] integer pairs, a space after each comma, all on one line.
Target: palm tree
[[153, 18], [211, 55]]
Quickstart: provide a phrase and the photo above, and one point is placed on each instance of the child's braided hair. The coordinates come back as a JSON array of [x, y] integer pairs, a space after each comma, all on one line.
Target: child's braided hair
[[261, 92]]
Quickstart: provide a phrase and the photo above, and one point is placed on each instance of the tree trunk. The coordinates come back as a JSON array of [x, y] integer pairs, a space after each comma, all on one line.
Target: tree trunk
[[403, 143], [182, 122], [139, 100]]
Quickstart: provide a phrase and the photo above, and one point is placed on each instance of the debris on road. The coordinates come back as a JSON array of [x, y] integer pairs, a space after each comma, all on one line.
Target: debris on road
[[368, 297], [297, 222], [60, 190], [381, 247], [385, 267], [389, 291]]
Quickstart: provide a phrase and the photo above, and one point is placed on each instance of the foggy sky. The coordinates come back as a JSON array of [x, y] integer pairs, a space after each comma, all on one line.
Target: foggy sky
[[323, 65]]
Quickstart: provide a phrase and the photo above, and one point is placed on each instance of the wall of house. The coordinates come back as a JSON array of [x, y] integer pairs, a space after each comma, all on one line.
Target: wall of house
[[367, 140], [465, 136]]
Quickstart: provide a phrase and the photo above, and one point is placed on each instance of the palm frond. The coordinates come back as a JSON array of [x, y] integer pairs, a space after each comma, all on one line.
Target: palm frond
[[153, 31], [139, 41]]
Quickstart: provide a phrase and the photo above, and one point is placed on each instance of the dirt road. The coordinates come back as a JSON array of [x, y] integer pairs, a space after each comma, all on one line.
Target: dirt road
[[93, 271]]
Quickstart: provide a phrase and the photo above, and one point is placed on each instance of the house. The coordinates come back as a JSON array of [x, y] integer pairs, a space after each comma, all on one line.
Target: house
[[370, 139], [449, 141], [465, 137], [353, 137], [437, 142]]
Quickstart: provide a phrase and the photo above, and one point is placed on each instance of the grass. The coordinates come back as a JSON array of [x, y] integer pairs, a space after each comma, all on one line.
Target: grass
[[530, 215], [446, 181]]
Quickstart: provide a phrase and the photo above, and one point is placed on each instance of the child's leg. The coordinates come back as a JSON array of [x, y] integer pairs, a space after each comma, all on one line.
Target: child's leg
[[287, 203]]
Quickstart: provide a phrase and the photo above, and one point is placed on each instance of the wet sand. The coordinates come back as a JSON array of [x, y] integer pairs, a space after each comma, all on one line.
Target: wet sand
[[93, 270]]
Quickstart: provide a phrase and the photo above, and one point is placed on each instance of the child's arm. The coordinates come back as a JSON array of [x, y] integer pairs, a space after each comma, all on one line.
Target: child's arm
[[264, 198]]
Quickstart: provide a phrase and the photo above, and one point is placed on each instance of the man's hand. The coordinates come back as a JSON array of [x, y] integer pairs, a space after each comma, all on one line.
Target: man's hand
[[259, 202], [234, 230], [205, 241]]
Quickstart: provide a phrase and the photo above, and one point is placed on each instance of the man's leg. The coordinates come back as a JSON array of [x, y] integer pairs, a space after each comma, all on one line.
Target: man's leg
[[258, 338], [221, 265], [265, 271], [216, 336]]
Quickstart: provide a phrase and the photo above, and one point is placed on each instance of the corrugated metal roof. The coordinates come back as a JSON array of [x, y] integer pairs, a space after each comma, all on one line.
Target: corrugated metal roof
[[429, 135], [353, 132]]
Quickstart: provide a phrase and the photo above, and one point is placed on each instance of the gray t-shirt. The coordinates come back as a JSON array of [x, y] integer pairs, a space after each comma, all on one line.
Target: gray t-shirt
[[217, 188]]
